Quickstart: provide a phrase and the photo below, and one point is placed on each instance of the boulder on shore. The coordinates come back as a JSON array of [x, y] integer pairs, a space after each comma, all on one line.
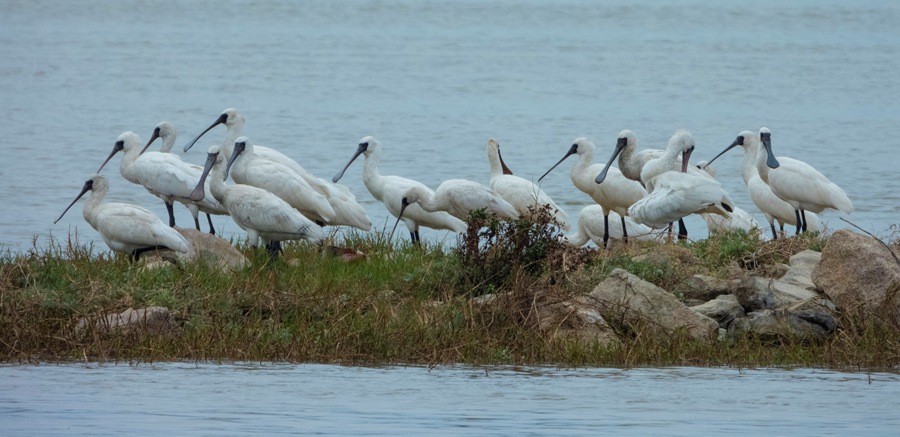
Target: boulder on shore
[[152, 320], [723, 309], [859, 274], [801, 267], [577, 317], [813, 319], [632, 302], [209, 248]]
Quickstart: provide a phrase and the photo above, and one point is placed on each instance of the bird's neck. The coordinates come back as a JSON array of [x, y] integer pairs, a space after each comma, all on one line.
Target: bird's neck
[[235, 130], [748, 164], [430, 203], [168, 143], [90, 207], [216, 180], [761, 167], [371, 176], [126, 168], [496, 166]]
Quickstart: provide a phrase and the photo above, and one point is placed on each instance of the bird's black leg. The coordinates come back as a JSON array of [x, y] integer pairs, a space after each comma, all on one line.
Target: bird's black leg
[[624, 231], [197, 223], [212, 230], [605, 229], [799, 221], [171, 212], [803, 216], [781, 229], [273, 248], [682, 230], [774, 235], [418, 239], [136, 253]]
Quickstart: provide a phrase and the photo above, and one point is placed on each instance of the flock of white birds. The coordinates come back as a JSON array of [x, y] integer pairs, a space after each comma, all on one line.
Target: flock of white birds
[[273, 198]]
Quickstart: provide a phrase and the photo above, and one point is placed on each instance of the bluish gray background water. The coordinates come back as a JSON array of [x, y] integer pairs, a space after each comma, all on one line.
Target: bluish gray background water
[[434, 80], [208, 399]]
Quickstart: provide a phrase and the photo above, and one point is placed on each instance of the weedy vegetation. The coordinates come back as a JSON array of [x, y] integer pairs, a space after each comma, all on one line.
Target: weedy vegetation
[[401, 304]]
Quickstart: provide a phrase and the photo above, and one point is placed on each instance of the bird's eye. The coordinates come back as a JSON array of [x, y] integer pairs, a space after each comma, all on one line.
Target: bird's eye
[[120, 143]]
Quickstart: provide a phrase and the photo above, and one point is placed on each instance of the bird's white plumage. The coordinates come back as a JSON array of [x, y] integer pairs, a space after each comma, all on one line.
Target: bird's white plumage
[[248, 168], [677, 195], [519, 192], [389, 190], [126, 228], [259, 212], [739, 219], [459, 197], [591, 227], [799, 184], [167, 133]]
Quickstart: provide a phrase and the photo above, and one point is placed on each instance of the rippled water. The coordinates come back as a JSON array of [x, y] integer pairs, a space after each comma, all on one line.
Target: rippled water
[[208, 399], [434, 80]]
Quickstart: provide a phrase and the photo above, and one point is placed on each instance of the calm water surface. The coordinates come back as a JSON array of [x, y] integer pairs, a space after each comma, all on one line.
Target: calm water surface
[[434, 80], [208, 399]]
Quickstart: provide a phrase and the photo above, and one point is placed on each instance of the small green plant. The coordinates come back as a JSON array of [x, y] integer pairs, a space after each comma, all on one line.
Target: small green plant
[[493, 251]]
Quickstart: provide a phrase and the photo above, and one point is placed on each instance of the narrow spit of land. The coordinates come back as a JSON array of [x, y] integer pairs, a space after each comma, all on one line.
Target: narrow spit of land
[[401, 304]]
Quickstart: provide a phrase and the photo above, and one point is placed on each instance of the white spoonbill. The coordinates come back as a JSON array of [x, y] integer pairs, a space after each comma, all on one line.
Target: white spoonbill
[[798, 183], [592, 221], [522, 194], [126, 228], [391, 189], [167, 133], [247, 168], [259, 212], [616, 194], [164, 175], [460, 197], [771, 205], [347, 211], [676, 194]]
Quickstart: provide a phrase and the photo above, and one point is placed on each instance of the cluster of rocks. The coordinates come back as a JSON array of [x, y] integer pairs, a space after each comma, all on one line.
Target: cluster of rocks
[[854, 274]]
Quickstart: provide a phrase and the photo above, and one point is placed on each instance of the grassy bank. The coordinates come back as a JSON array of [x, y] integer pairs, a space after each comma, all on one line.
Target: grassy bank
[[401, 304]]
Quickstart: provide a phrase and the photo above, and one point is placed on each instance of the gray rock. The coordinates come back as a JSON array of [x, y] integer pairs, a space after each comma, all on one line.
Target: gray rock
[[801, 267], [576, 318], [859, 275], [214, 251], [723, 309], [810, 320], [704, 288], [632, 302], [205, 247], [152, 320], [767, 293]]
